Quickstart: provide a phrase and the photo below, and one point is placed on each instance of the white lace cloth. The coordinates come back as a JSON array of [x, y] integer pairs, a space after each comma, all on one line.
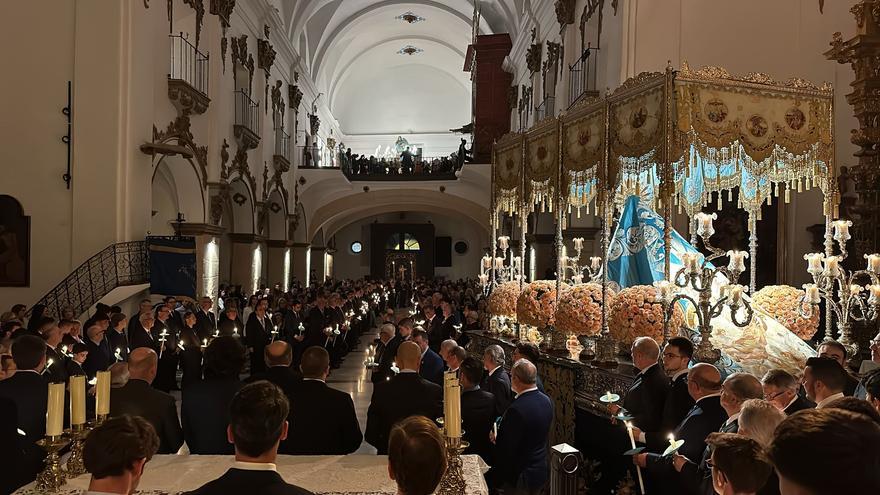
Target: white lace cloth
[[323, 475]]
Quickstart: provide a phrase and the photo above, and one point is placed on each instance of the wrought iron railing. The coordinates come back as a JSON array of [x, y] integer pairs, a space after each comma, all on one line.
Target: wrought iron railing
[[247, 112], [117, 265], [582, 75], [547, 108], [188, 64], [282, 143]]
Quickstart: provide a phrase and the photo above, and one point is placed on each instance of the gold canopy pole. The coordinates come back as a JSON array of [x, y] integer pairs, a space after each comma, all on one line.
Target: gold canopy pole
[[605, 346], [666, 180]]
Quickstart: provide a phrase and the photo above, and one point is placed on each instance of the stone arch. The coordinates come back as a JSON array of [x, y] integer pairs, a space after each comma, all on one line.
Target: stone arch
[[175, 181], [242, 206], [276, 216]]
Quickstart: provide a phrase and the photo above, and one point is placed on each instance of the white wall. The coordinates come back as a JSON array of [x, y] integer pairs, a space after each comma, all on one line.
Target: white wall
[[348, 265]]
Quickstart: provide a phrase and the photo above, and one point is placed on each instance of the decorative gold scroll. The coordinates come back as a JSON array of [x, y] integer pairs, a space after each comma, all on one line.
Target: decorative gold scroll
[[541, 166], [583, 146], [508, 172]]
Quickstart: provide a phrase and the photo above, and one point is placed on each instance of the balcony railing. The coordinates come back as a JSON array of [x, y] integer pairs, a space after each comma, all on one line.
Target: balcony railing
[[547, 108], [247, 119], [188, 64], [282, 143], [582, 76]]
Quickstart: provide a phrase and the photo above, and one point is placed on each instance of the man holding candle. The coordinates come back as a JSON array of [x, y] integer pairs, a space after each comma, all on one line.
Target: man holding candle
[[116, 335], [142, 334], [645, 399], [207, 321], [138, 398], [56, 372], [405, 394], [676, 357], [521, 445], [100, 357]]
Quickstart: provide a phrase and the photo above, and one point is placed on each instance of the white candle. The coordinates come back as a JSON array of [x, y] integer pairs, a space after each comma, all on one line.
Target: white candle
[[704, 224], [55, 410], [595, 263], [632, 441], [737, 262], [499, 263], [873, 263], [812, 293], [841, 230], [664, 290], [832, 268], [102, 393], [487, 262], [814, 263], [691, 261], [503, 242], [578, 244], [77, 400]]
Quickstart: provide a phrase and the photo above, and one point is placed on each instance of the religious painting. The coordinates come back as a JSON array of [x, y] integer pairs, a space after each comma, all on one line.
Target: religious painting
[[15, 231]]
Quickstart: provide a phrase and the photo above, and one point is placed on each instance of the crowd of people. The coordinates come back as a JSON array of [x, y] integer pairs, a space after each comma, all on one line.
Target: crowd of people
[[253, 384], [407, 163]]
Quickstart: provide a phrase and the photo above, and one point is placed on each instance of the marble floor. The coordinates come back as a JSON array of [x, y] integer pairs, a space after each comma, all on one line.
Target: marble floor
[[353, 378]]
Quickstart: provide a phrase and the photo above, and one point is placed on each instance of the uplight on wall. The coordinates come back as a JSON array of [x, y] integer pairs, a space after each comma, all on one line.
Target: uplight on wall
[[286, 282], [308, 280], [210, 269], [256, 269], [328, 266]]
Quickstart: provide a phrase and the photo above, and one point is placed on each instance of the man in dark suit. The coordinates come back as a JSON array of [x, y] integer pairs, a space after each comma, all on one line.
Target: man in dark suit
[[317, 322], [100, 356], [323, 420], [145, 307], [696, 476], [386, 355], [496, 381], [138, 398], [258, 331], [278, 357], [116, 453], [404, 395], [29, 390], [521, 444], [206, 320], [56, 360], [646, 396], [835, 350], [781, 390], [78, 354], [257, 423], [707, 415], [166, 334], [116, 335], [142, 333], [205, 404], [431, 368], [528, 350], [477, 410], [433, 322], [11, 452], [676, 357]]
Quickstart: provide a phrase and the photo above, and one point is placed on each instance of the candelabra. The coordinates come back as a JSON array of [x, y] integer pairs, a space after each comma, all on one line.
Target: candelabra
[[850, 305], [571, 264], [75, 465], [505, 270], [698, 276], [453, 482], [51, 478]]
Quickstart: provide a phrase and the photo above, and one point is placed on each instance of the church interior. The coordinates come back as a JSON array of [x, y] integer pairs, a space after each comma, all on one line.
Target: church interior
[[404, 247]]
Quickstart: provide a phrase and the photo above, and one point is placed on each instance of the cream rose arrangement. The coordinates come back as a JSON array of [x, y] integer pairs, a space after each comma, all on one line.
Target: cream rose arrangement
[[502, 300], [579, 311], [536, 304], [781, 301], [638, 312]]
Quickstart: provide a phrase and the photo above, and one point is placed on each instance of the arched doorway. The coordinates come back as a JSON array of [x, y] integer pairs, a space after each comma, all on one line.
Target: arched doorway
[[277, 266], [176, 190]]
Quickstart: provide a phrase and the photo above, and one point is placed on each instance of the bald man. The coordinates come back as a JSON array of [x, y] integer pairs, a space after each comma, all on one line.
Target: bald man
[[406, 394], [646, 396], [279, 359], [707, 416], [138, 398]]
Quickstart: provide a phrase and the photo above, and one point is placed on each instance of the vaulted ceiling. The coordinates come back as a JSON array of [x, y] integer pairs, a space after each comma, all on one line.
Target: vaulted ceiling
[[356, 52]]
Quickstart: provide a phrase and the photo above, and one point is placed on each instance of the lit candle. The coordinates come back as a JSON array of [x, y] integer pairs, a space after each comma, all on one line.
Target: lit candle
[[841, 230], [301, 328], [499, 263], [812, 293], [737, 262], [664, 290], [55, 410], [102, 393], [873, 263], [487, 262], [814, 263], [672, 440], [831, 266], [204, 342], [691, 261], [704, 224], [875, 294], [632, 441], [578, 244], [77, 400], [503, 242]]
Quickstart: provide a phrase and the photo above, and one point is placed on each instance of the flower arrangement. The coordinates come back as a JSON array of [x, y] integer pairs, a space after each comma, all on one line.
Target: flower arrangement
[[638, 312], [579, 311], [502, 300], [536, 304], [781, 301]]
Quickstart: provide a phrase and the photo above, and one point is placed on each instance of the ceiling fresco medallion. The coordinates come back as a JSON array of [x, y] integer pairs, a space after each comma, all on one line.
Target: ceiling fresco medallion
[[409, 50], [410, 18]]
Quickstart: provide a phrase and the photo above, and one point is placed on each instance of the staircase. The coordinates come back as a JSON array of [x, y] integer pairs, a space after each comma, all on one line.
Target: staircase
[[117, 265]]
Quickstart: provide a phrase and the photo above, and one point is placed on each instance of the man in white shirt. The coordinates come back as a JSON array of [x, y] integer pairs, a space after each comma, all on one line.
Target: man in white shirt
[[824, 380], [116, 452]]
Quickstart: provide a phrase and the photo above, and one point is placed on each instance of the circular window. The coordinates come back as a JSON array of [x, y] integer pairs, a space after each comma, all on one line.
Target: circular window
[[460, 247], [356, 247]]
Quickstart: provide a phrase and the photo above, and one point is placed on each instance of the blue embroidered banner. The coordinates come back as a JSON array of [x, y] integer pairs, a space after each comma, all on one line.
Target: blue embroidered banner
[[172, 266]]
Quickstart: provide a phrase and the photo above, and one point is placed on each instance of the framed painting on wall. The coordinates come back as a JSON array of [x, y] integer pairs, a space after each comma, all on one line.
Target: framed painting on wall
[[15, 232]]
